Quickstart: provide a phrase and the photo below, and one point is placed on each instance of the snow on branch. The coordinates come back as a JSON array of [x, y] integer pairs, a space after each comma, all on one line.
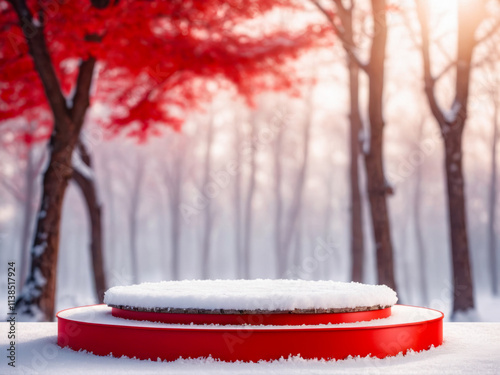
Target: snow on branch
[[452, 115], [80, 166]]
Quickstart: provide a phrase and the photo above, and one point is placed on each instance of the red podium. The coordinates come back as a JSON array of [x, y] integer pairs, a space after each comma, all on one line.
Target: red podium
[[103, 330]]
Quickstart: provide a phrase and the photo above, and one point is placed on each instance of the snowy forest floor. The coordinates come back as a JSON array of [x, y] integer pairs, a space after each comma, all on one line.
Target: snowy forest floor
[[469, 348]]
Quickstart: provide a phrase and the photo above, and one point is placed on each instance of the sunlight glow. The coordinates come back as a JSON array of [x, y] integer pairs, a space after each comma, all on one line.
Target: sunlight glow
[[444, 5], [444, 14]]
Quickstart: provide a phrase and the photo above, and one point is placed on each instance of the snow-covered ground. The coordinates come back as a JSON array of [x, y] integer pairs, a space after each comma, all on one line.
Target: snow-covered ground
[[469, 348]]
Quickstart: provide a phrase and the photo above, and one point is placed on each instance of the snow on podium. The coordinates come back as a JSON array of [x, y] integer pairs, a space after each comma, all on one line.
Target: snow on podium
[[249, 320]]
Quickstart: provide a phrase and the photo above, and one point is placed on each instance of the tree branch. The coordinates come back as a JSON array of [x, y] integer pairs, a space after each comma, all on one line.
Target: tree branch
[[412, 33], [99, 4], [445, 70], [489, 34], [429, 81], [348, 47], [81, 99], [341, 10], [41, 58], [20, 197], [84, 154]]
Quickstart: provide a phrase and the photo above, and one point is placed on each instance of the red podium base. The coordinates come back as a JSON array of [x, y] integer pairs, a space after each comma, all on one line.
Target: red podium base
[[253, 319], [93, 328]]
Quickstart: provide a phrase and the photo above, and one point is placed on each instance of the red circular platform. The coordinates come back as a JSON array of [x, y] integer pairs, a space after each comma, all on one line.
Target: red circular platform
[[252, 319], [93, 328]]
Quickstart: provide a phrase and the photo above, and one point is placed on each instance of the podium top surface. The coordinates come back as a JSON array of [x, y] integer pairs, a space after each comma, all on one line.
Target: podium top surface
[[247, 296]]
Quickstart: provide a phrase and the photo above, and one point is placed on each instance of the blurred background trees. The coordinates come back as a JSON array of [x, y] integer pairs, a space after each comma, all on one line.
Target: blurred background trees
[[149, 55], [265, 140]]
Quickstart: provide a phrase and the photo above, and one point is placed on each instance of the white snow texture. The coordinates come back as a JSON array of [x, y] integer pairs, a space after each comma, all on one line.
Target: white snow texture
[[251, 295], [469, 348]]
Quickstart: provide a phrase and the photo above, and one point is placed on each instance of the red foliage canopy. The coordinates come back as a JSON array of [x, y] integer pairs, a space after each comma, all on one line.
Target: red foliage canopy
[[152, 56]]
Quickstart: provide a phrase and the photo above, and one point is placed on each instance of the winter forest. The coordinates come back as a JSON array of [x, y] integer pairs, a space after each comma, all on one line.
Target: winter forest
[[311, 139]]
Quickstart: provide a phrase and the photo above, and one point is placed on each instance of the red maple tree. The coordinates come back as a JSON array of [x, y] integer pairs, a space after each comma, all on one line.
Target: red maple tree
[[138, 59]]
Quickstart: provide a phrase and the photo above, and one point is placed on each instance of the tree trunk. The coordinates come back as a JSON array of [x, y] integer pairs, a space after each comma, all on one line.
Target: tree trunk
[[87, 186], [470, 15], [207, 231], [134, 256], [176, 233], [247, 239], [27, 216], [298, 246], [240, 263], [492, 204], [326, 265], [356, 127], [345, 14], [375, 180], [405, 295], [296, 205], [173, 177], [462, 278], [377, 192], [419, 237], [38, 295], [278, 217], [163, 245], [37, 299], [110, 214], [133, 218], [376, 183]]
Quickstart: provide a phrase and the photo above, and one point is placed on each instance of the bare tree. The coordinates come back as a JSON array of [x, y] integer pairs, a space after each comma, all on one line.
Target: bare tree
[[492, 204], [28, 211], [342, 23], [298, 241], [346, 17], [84, 177], [24, 192], [377, 184], [208, 216], [452, 124], [328, 213], [133, 214], [240, 263], [37, 298], [405, 291], [278, 197], [109, 197], [248, 223], [289, 225], [174, 173], [417, 222]]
